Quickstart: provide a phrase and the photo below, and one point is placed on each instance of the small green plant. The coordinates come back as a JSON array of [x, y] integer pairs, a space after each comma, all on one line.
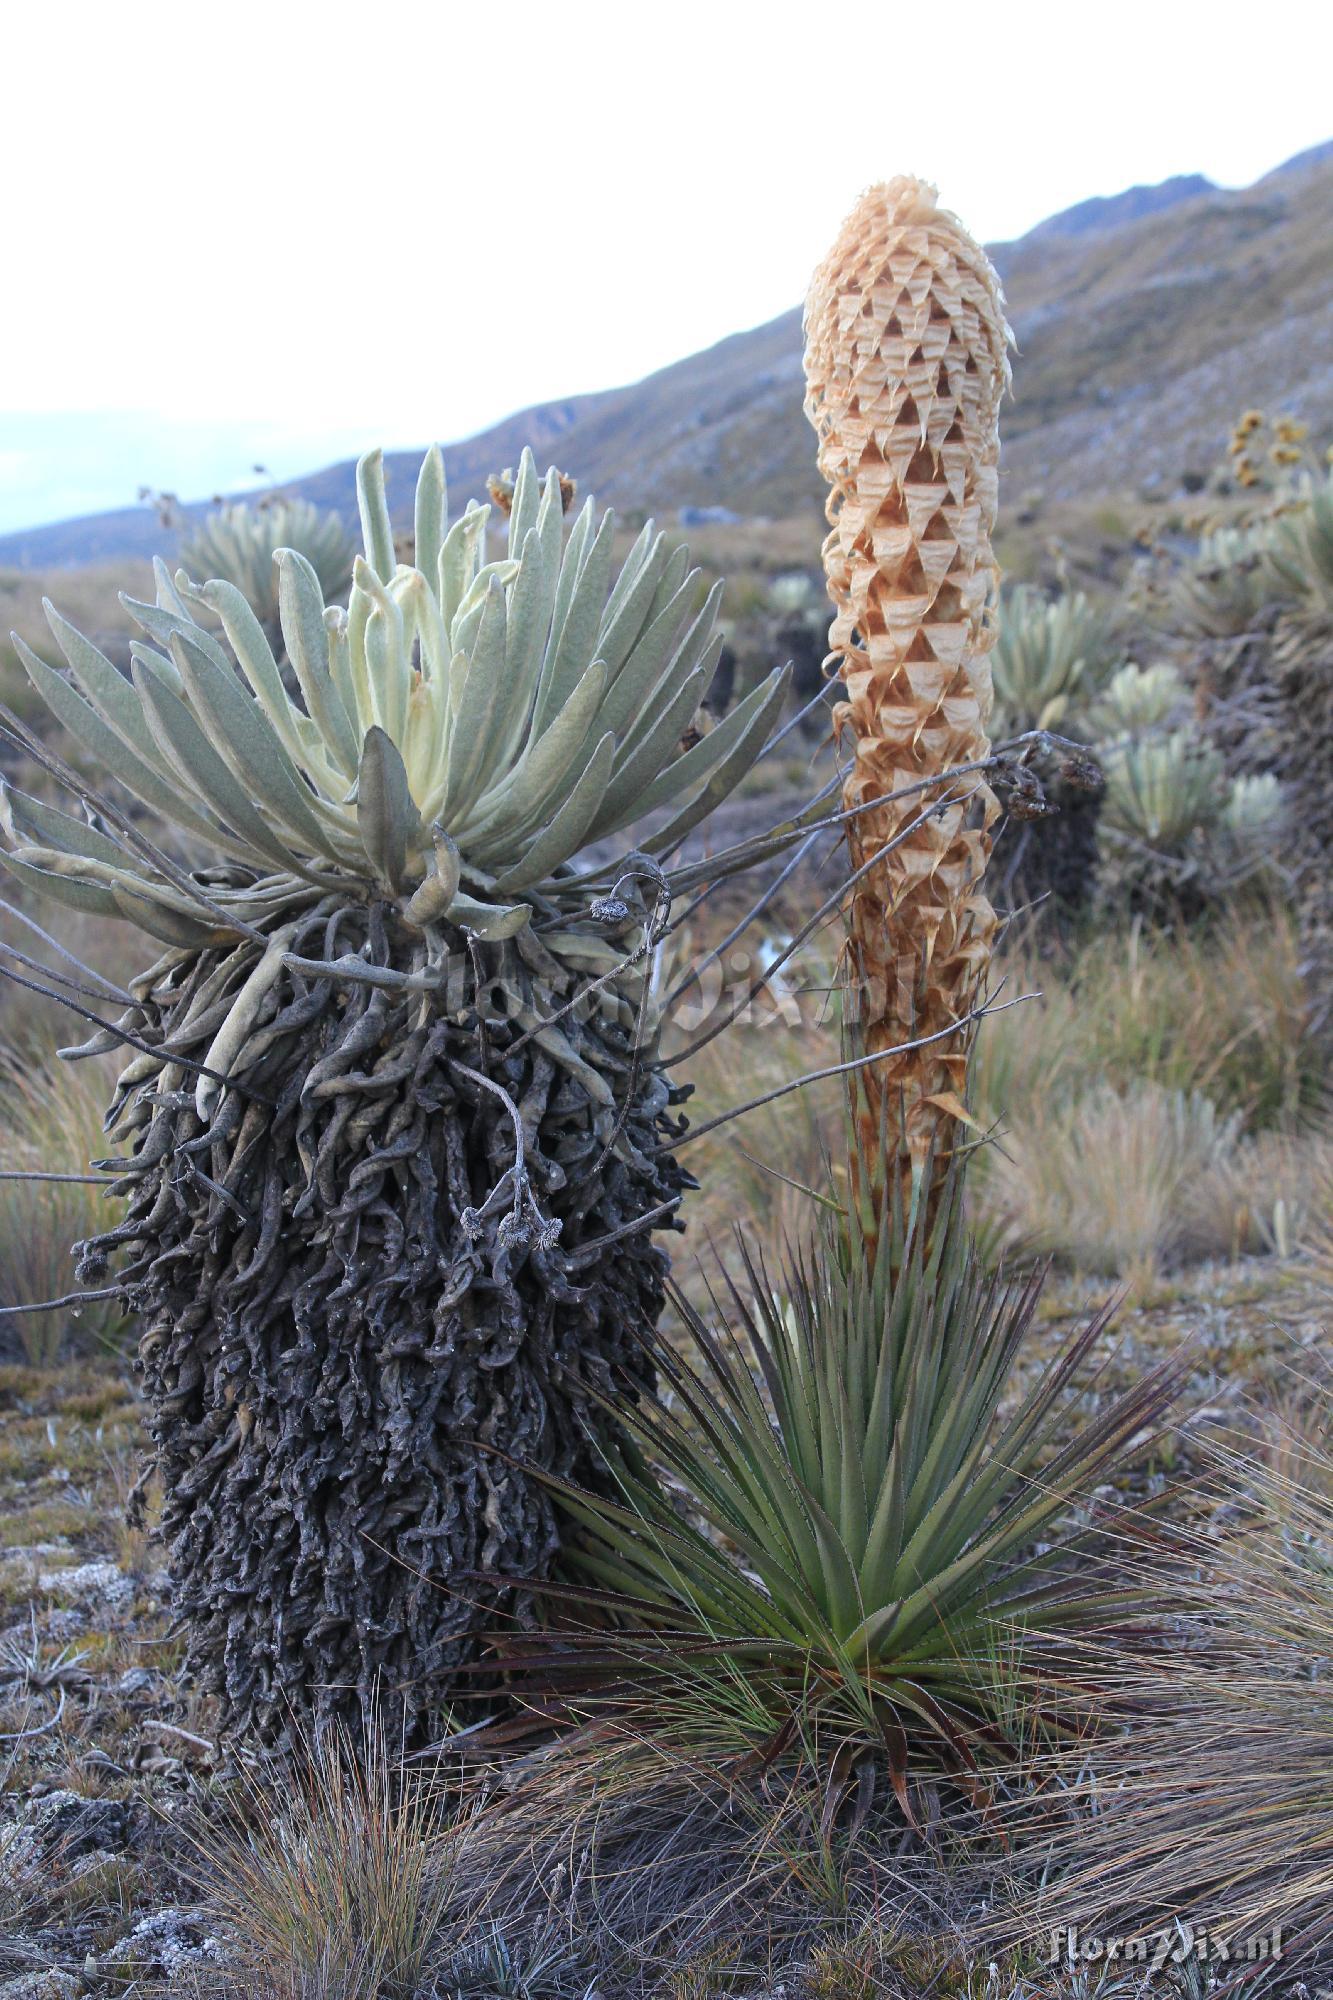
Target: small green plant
[[1253, 820], [494, 1967], [1226, 585], [1136, 700], [1179, 835], [1051, 659], [1299, 551], [240, 543], [864, 1525], [1163, 790]]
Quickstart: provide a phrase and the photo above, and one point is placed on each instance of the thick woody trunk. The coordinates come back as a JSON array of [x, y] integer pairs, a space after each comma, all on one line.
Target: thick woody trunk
[[364, 1341], [905, 367]]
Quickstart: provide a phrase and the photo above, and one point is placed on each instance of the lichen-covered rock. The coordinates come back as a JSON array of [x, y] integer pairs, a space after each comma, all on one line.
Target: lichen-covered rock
[[71, 1824], [166, 1944], [93, 1586], [48, 1984]]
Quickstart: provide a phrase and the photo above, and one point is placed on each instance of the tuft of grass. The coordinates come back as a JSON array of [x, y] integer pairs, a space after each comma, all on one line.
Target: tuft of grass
[[1158, 1102], [1272, 1195], [1222, 1012], [334, 1887], [1103, 1180], [680, 1875], [1207, 1792], [51, 1119], [1320, 1227], [1155, 1041]]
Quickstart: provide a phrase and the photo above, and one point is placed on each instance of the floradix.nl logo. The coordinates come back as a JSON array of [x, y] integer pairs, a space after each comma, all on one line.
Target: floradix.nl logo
[[1182, 1943]]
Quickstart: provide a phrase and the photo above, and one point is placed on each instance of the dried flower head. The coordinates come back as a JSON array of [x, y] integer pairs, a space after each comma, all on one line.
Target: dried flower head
[[906, 362]]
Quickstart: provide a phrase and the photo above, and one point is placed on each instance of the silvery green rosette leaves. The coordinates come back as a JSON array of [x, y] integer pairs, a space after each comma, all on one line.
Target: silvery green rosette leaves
[[456, 736], [239, 540]]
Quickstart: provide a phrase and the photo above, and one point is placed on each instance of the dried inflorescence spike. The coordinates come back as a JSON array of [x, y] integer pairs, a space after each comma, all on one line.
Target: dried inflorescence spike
[[906, 364], [500, 489]]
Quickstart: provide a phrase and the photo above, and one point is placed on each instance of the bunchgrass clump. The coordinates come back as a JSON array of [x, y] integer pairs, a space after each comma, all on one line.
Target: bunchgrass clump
[[331, 1881], [1106, 1179], [1157, 1102], [1206, 1793], [50, 1118]]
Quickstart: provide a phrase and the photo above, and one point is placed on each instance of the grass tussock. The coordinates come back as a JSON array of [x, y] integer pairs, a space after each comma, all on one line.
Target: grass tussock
[[643, 1869], [1220, 1013], [51, 1121], [332, 1884], [1158, 1103], [1108, 1180], [1207, 1791]]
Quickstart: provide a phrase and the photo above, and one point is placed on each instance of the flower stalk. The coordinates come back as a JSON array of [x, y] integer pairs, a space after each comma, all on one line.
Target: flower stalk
[[906, 364]]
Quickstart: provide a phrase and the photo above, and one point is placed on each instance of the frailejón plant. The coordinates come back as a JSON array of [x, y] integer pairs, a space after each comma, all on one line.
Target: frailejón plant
[[239, 542], [395, 1132]]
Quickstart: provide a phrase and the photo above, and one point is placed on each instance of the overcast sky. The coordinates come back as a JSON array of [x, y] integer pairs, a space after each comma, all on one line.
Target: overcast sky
[[275, 233]]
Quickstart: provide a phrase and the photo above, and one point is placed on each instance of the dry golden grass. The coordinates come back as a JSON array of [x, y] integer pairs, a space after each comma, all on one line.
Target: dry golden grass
[[1221, 1013], [1158, 1102], [88, 596], [51, 1121], [1103, 1179], [331, 1883], [767, 1171], [1206, 1795]]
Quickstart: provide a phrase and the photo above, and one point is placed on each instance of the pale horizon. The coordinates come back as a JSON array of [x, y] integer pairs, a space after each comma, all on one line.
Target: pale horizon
[[289, 247]]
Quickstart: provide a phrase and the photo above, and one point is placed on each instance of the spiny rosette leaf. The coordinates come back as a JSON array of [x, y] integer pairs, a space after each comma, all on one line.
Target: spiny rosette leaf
[[454, 738]]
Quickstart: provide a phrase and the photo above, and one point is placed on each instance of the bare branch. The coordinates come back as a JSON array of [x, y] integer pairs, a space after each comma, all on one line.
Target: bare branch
[[69, 1299], [751, 916], [113, 992], [182, 1735], [587, 1251], [83, 1180], [42, 1729]]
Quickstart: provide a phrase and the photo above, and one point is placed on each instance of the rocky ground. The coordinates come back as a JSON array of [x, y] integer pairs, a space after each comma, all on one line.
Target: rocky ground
[[106, 1758]]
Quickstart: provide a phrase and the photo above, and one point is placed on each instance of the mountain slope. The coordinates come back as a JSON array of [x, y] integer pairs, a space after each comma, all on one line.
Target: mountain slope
[[1145, 323]]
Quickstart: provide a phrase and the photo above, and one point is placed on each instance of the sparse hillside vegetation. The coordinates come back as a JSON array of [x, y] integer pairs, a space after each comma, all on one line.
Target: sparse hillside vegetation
[[414, 1585]]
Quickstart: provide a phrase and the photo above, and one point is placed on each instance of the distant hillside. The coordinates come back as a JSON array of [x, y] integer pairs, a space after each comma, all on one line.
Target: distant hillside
[[1145, 322], [1109, 211]]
